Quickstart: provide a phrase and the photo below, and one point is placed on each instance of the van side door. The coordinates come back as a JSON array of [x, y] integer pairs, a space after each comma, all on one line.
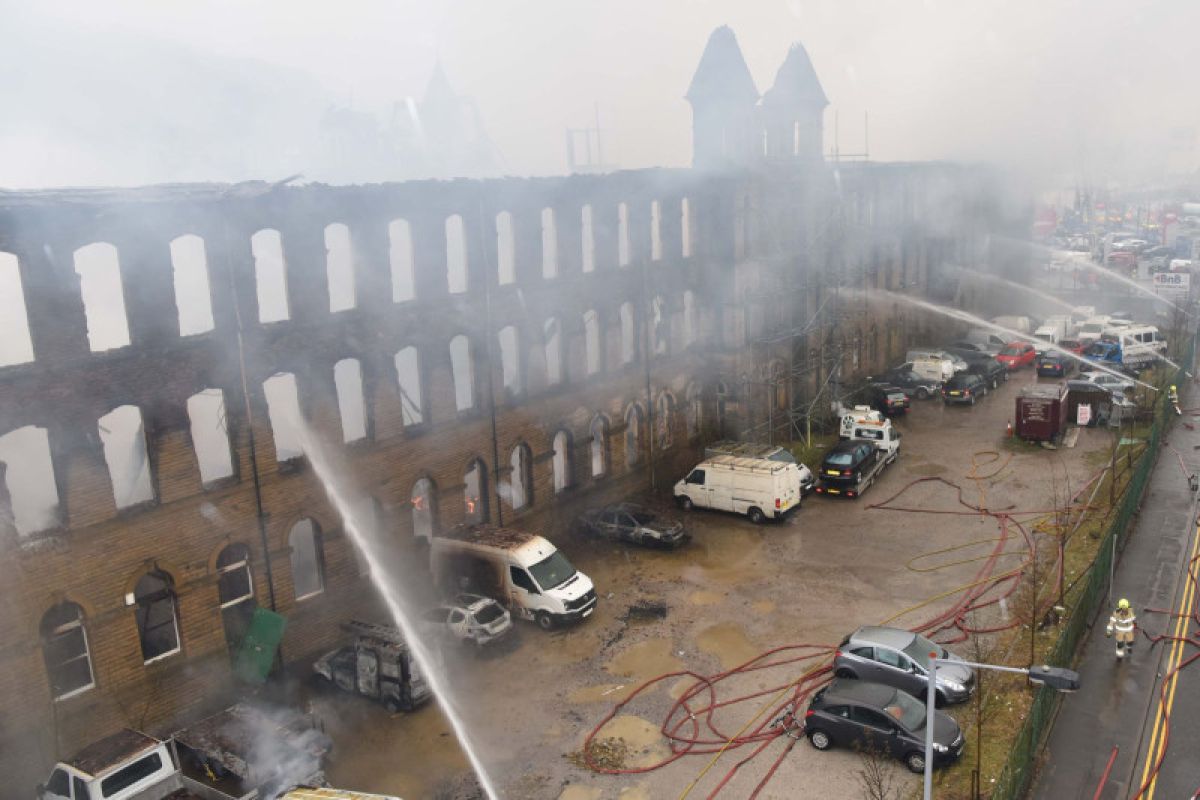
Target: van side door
[[698, 490], [522, 592]]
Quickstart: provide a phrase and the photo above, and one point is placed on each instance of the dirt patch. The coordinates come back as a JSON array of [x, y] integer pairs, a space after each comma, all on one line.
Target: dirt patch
[[610, 692], [581, 793], [728, 642], [927, 470], [634, 793], [646, 611], [645, 660], [704, 598], [763, 606]]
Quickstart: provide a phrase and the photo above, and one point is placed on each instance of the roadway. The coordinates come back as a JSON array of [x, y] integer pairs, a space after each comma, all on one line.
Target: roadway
[[1122, 705]]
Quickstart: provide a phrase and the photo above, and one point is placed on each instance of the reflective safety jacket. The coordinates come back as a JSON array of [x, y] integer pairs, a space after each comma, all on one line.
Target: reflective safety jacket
[[1122, 621]]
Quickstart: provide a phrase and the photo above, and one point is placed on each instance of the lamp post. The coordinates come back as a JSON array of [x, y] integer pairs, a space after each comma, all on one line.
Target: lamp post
[[1057, 678]]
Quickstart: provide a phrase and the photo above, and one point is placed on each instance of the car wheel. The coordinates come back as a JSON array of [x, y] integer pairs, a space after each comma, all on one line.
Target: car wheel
[[972, 399], [1006, 376], [820, 740], [544, 620], [686, 503], [392, 705], [922, 393], [845, 673], [756, 515], [915, 762]]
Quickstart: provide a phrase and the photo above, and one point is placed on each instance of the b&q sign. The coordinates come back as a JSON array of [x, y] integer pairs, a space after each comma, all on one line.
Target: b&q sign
[[1172, 284]]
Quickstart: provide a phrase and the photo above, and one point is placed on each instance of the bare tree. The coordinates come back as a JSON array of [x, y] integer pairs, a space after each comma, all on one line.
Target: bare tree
[[876, 774], [982, 650]]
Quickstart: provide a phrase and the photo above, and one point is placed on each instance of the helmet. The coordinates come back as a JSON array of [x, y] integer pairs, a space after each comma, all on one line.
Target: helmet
[[1173, 387], [1123, 603]]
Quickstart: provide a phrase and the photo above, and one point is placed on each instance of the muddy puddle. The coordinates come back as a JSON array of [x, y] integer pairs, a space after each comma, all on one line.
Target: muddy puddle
[[645, 742], [705, 598], [729, 643], [602, 693], [580, 792], [645, 660]]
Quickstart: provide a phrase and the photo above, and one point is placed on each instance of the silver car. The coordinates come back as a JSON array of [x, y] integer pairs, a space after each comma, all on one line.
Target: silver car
[[470, 619], [900, 658]]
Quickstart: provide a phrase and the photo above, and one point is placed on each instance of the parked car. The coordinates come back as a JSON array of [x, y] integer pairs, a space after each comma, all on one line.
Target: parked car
[[992, 371], [631, 523], [887, 400], [909, 382], [1054, 365], [900, 658], [468, 619], [965, 387], [378, 665], [987, 348], [861, 714], [1110, 382], [1017, 354]]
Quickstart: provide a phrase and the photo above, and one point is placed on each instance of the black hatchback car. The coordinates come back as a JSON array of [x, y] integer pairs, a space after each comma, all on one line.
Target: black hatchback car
[[862, 714], [886, 399], [964, 387], [1054, 365]]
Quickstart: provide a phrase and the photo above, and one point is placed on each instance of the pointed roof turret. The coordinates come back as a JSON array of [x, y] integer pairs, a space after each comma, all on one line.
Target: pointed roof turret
[[796, 83], [438, 90], [722, 73]]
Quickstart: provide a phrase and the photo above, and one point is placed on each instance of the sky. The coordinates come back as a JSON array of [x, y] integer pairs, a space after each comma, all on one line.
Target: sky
[[129, 92]]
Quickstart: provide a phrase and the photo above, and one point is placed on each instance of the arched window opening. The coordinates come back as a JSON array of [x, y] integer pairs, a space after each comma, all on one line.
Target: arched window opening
[[99, 273], [661, 326], [628, 334], [156, 615], [623, 253], [562, 461], [283, 410], [235, 593], [475, 496], [510, 359], [422, 499], [348, 381], [633, 435], [520, 479], [402, 261], [591, 340], [549, 245], [408, 374], [65, 651], [193, 296], [29, 479], [689, 318], [588, 236], [599, 447], [552, 335], [308, 559], [695, 410], [124, 437], [339, 268], [270, 276], [210, 435], [463, 373], [16, 344], [685, 228], [655, 231], [664, 421], [506, 249], [456, 255]]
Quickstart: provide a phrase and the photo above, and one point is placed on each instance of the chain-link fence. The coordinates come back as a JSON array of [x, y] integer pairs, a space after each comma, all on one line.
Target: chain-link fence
[[1018, 770]]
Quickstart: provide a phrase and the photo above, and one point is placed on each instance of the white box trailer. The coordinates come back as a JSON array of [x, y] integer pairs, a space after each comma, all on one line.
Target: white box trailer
[[759, 489]]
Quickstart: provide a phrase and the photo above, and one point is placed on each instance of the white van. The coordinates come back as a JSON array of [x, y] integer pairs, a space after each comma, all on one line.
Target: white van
[[1018, 324], [948, 365], [517, 569], [759, 489], [989, 340], [768, 452], [1140, 341], [1047, 334]]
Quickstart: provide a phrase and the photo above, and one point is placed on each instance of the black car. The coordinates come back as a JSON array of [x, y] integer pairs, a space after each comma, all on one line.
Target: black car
[[627, 522], [846, 460], [862, 714], [965, 387], [909, 382], [982, 364], [1054, 365], [886, 399]]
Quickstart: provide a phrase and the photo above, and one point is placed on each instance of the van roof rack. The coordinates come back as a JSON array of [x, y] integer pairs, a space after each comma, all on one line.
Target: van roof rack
[[749, 464]]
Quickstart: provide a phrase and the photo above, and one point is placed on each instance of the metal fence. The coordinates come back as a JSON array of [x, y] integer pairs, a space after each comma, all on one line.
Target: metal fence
[[1018, 770]]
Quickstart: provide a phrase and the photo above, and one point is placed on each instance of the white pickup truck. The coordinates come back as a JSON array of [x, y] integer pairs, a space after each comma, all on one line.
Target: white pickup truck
[[204, 762], [867, 424]]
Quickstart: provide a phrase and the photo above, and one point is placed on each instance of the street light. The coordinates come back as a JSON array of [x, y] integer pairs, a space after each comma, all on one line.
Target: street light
[[1057, 678]]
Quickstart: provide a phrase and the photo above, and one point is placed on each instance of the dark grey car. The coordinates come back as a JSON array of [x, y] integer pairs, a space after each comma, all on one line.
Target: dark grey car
[[631, 523], [900, 658], [869, 715]]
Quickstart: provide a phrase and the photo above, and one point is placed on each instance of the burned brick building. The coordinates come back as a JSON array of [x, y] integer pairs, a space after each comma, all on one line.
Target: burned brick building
[[506, 350]]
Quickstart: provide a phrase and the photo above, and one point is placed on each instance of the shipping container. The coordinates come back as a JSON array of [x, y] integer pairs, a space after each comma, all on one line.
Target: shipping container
[[1041, 412]]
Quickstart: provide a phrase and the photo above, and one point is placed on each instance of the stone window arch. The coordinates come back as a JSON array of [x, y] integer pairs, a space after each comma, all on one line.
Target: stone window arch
[[520, 479], [563, 472], [65, 651], [308, 559], [156, 613], [462, 370], [475, 492], [424, 509], [633, 435], [402, 261], [270, 276], [193, 295], [235, 593], [598, 446], [552, 338]]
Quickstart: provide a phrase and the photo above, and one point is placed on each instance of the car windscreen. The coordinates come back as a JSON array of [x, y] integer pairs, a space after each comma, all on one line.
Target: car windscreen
[[840, 459], [488, 613], [642, 517], [920, 648], [907, 709], [553, 570], [1011, 351]]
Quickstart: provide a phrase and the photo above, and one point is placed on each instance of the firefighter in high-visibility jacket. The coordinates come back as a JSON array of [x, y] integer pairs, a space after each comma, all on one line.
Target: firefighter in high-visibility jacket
[[1122, 623]]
